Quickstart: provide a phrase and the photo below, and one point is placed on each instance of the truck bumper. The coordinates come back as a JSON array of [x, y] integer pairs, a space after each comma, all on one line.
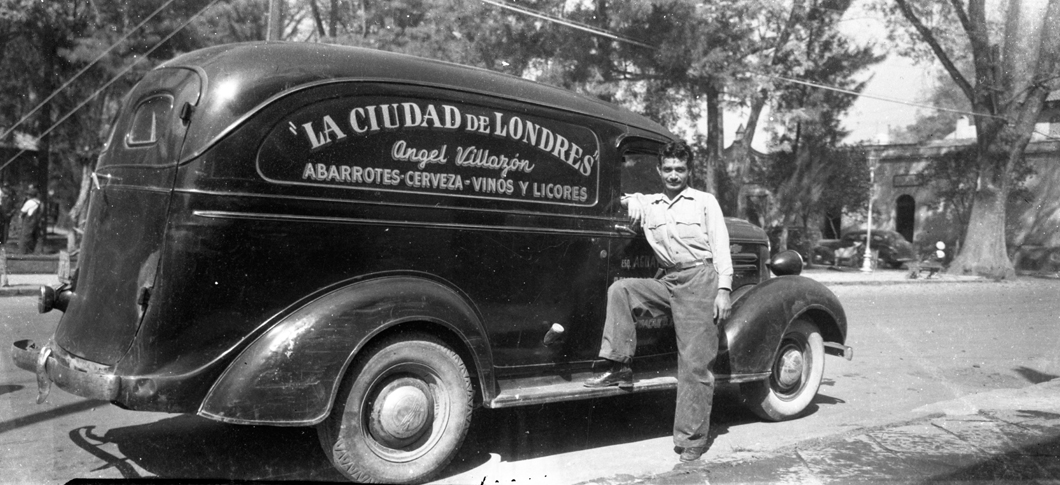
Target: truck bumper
[[74, 375], [841, 350]]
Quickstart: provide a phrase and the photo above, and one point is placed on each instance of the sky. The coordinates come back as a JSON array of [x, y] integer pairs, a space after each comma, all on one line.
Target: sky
[[896, 78]]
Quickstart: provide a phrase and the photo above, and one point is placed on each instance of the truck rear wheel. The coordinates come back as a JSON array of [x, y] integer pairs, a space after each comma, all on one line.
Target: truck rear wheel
[[401, 413], [796, 375]]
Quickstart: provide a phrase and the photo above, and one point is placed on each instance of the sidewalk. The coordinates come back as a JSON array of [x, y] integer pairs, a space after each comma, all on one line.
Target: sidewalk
[[29, 284], [831, 275], [1006, 435]]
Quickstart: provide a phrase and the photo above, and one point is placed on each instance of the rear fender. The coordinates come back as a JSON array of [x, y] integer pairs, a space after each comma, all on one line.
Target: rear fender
[[760, 316], [289, 375]]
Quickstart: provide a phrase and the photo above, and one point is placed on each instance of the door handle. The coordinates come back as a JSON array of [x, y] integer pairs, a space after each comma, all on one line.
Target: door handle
[[625, 230]]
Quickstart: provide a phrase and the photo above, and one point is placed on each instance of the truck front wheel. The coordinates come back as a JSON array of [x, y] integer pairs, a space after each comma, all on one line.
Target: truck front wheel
[[795, 376], [401, 413]]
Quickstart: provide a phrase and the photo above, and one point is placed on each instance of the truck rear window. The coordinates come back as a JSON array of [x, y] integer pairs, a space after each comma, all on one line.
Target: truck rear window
[[149, 122]]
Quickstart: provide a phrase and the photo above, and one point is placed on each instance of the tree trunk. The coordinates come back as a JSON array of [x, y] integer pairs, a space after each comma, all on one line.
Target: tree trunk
[[50, 52], [714, 139], [604, 50], [984, 251], [741, 151], [78, 211], [1027, 70], [333, 18], [318, 19]]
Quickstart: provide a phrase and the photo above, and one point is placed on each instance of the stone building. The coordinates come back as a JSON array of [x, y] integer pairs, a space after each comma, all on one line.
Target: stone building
[[905, 200]]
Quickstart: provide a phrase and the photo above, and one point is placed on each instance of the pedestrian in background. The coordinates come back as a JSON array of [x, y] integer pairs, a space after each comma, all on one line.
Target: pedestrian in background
[[31, 215]]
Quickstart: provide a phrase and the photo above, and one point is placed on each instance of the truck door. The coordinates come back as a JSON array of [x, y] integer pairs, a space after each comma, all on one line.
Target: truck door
[[630, 254], [125, 229]]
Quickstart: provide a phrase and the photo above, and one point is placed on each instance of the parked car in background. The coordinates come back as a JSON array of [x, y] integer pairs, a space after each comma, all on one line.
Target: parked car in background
[[892, 249]]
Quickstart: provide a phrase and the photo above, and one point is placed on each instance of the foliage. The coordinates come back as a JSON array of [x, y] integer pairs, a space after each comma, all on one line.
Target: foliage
[[82, 56], [690, 59], [810, 176], [835, 180], [954, 178]]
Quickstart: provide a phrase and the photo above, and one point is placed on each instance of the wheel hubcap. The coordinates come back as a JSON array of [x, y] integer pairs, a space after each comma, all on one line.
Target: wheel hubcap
[[790, 368], [402, 411]]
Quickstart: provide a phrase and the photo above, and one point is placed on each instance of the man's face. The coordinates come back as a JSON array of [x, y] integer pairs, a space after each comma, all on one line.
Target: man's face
[[674, 173]]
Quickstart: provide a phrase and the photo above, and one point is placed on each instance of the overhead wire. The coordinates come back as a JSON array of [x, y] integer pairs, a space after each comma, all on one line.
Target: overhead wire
[[113, 80], [884, 98], [568, 23], [83, 70]]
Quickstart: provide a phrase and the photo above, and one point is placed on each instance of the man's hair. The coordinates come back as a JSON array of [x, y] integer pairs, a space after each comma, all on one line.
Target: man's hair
[[679, 150]]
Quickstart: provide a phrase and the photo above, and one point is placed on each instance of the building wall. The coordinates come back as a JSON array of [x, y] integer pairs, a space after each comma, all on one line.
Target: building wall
[[1033, 220]]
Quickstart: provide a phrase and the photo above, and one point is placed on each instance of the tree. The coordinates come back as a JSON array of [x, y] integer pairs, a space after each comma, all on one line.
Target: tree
[[809, 171], [39, 33], [91, 50], [1015, 64]]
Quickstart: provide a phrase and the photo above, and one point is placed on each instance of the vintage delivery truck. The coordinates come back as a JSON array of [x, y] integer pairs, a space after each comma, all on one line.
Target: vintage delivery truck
[[374, 244]]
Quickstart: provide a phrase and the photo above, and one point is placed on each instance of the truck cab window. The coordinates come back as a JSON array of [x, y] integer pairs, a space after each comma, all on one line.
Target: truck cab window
[[638, 174]]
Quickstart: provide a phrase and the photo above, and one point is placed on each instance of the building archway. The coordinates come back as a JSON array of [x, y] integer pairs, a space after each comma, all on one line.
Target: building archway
[[905, 216]]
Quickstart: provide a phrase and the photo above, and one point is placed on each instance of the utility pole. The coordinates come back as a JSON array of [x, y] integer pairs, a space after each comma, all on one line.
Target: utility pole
[[275, 27]]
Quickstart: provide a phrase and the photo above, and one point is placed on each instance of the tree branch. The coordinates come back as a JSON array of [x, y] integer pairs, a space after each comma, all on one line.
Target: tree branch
[[1049, 64], [958, 9], [932, 42]]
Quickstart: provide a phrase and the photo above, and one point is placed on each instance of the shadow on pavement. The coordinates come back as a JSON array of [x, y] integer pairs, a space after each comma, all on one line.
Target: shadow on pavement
[[1033, 455], [532, 432], [1033, 376], [1031, 464], [191, 447], [50, 414]]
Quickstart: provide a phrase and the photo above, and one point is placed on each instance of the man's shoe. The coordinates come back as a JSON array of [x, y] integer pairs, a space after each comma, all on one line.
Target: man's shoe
[[615, 377], [692, 453]]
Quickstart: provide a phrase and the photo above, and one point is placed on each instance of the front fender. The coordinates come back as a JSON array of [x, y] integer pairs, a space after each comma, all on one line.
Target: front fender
[[289, 375], [759, 318]]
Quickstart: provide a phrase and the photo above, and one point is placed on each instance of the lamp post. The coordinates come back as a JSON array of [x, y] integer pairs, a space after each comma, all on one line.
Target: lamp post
[[866, 264]]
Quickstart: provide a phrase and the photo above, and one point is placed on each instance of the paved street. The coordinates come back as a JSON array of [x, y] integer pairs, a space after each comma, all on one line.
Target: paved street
[[1006, 436], [952, 381]]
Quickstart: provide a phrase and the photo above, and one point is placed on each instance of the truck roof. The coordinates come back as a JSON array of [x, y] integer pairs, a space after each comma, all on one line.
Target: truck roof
[[241, 78]]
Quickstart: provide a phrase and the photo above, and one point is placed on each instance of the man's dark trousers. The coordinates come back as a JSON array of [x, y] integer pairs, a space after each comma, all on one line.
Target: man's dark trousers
[[689, 296]]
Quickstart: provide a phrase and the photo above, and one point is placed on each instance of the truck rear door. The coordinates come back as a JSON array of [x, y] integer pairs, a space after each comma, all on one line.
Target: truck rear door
[[124, 232]]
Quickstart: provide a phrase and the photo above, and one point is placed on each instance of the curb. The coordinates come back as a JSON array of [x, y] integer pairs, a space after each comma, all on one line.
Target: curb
[[21, 290], [902, 282], [34, 289]]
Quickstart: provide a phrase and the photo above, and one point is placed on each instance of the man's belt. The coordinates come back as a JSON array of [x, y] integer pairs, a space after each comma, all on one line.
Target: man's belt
[[688, 265]]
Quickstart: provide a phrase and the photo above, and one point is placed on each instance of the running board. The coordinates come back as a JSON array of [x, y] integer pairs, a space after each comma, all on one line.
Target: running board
[[526, 392]]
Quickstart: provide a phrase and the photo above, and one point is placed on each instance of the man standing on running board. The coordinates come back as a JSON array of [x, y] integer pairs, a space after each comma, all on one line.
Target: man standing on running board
[[686, 229]]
